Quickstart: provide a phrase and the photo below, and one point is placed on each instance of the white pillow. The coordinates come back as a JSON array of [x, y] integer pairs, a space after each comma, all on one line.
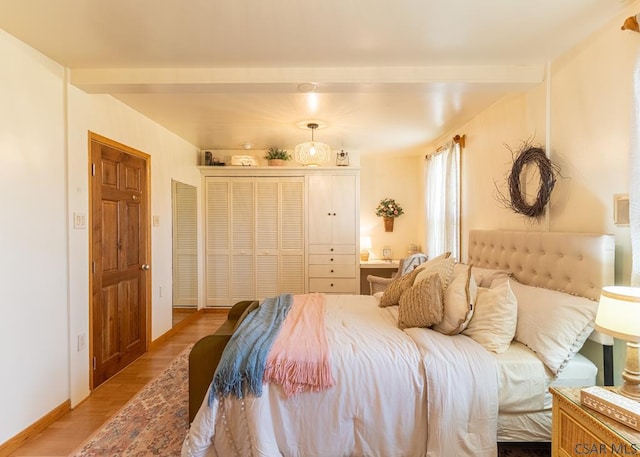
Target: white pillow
[[485, 276], [553, 324], [443, 265], [494, 319], [458, 302]]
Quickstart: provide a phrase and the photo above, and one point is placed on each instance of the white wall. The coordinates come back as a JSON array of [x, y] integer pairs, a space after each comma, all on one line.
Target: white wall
[[389, 176], [171, 158], [33, 238], [44, 125], [586, 105], [588, 115]]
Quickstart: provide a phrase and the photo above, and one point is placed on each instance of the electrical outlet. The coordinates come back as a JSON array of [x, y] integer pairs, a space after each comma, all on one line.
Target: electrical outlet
[[156, 220]]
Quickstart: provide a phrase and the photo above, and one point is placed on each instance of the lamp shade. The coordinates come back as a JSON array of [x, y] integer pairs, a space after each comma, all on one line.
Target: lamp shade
[[312, 152], [365, 242], [619, 312]]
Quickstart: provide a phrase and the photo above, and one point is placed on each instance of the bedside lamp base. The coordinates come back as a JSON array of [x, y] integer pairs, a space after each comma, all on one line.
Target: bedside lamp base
[[631, 374]]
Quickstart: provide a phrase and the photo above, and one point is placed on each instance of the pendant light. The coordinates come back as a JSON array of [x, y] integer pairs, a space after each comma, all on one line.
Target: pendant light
[[312, 152]]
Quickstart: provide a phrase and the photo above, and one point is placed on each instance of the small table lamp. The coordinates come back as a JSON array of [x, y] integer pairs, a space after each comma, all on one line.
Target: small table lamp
[[365, 245], [619, 316]]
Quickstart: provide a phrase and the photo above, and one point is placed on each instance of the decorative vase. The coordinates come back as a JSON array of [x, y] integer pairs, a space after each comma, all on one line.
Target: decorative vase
[[276, 162], [388, 224]]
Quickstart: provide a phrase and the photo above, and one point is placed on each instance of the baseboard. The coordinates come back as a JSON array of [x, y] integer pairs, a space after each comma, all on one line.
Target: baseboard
[[166, 335], [217, 310], [35, 428]]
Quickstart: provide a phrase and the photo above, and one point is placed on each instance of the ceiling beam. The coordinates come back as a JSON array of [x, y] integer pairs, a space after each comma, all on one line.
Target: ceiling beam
[[286, 79]]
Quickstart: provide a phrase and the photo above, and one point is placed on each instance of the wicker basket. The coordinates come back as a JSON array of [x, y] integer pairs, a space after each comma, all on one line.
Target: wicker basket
[[388, 224]]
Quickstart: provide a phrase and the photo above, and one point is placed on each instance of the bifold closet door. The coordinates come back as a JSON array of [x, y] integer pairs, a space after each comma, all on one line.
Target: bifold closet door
[[255, 238]]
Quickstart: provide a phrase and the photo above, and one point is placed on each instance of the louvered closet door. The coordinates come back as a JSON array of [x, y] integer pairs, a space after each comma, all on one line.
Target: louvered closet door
[[267, 215], [185, 244], [292, 241], [242, 239], [218, 239]]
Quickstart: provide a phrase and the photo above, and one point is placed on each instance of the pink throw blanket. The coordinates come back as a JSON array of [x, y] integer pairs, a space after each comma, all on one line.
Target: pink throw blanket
[[299, 359]]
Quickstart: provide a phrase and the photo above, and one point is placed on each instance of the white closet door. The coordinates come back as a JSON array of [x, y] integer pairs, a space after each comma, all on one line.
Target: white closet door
[[267, 215], [255, 230], [292, 243], [217, 247], [242, 239], [343, 198], [185, 244], [320, 209]]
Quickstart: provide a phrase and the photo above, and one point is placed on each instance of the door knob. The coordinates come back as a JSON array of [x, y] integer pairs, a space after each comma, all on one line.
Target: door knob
[[145, 266]]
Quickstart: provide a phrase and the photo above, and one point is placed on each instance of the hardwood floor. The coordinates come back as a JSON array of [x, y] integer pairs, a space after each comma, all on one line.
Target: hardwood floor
[[180, 314], [66, 434]]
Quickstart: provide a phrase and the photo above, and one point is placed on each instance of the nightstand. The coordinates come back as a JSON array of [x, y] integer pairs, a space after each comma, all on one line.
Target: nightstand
[[578, 430]]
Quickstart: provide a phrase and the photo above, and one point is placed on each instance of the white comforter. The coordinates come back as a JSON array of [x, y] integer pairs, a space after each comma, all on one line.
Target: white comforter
[[412, 393]]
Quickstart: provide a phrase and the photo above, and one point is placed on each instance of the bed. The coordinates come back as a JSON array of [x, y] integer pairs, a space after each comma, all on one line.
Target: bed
[[416, 391]]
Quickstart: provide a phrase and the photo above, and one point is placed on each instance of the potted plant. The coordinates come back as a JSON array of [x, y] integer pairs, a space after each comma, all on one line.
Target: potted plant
[[276, 156], [388, 209]]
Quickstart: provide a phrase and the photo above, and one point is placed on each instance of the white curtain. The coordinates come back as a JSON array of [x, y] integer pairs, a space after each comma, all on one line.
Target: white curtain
[[442, 199], [634, 178]]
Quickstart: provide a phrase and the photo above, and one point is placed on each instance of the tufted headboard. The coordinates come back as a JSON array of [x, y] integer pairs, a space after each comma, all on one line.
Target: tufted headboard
[[576, 263]]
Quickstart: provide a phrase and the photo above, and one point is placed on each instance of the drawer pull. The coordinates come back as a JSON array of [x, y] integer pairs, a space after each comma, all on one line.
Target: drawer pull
[[328, 214], [332, 285], [334, 214], [331, 249], [331, 271], [332, 260]]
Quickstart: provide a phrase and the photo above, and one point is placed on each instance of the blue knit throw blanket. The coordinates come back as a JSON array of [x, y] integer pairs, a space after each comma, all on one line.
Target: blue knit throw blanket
[[243, 360]]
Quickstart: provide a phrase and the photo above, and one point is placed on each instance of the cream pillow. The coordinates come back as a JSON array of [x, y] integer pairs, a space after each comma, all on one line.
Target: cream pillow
[[421, 305], [395, 288], [458, 302], [443, 265], [494, 320], [485, 276], [552, 324]]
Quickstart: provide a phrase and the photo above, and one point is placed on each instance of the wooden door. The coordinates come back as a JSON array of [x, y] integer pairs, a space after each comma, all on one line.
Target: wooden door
[[120, 257]]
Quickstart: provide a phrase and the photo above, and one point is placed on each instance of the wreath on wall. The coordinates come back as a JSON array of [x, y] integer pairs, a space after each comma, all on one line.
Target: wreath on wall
[[529, 155]]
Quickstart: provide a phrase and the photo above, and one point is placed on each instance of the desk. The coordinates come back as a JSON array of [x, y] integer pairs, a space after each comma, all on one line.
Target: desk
[[383, 268]]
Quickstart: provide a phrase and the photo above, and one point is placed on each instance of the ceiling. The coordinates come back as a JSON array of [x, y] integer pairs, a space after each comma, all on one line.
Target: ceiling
[[390, 76]]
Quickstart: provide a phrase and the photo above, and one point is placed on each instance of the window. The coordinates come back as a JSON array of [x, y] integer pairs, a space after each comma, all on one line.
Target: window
[[442, 200]]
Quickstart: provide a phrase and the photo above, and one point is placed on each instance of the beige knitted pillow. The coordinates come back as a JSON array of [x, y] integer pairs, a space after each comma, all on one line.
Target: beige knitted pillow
[[394, 290], [422, 305], [441, 265]]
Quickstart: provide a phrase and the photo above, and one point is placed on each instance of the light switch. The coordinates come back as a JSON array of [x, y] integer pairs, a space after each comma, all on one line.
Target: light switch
[[156, 220], [79, 221]]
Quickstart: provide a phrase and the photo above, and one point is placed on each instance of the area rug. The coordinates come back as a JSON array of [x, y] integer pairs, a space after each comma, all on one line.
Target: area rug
[[154, 422]]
